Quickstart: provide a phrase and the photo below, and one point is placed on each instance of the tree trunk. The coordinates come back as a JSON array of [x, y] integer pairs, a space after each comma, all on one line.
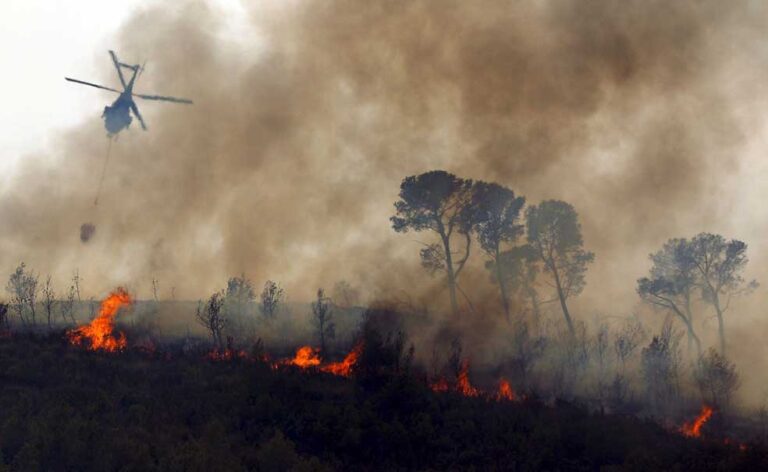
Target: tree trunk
[[692, 337], [502, 287], [561, 296], [322, 338], [450, 275], [720, 323], [689, 325]]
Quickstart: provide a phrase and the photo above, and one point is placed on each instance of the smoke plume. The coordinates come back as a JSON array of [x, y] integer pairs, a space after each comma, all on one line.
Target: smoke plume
[[641, 114]]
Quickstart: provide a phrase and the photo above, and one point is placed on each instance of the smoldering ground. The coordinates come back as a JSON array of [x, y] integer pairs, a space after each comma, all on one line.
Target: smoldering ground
[[643, 115]]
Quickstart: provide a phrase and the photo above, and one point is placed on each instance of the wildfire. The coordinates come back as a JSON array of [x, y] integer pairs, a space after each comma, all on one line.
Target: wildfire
[[99, 331], [226, 355], [462, 382], [693, 430], [306, 356], [505, 391], [462, 385], [344, 368]]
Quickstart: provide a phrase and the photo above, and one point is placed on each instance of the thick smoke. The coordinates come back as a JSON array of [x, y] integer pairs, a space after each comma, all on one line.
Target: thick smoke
[[287, 165]]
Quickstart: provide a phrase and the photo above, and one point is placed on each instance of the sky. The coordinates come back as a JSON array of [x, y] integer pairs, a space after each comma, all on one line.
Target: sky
[[41, 42]]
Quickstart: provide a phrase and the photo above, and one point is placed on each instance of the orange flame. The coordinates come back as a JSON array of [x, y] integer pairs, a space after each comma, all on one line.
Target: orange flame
[[462, 382], [693, 430], [306, 356], [99, 331], [505, 391], [344, 368], [226, 355], [462, 386]]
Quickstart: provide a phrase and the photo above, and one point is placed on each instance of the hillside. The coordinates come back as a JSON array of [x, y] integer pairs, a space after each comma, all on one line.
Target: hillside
[[65, 408]]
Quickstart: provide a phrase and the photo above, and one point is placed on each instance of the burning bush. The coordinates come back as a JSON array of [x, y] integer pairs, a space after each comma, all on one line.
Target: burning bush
[[693, 430], [98, 335]]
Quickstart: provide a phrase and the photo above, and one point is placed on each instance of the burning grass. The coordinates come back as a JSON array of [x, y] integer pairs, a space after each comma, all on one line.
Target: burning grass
[[98, 335], [693, 430]]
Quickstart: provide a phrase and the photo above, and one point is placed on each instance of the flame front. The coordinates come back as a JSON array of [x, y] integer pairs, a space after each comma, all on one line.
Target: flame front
[[344, 368], [462, 385], [462, 382], [505, 391], [693, 430], [306, 356], [99, 331]]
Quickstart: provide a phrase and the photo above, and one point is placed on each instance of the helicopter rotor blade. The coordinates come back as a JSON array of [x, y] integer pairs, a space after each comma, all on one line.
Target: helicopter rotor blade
[[135, 111], [141, 70], [165, 99], [117, 66], [92, 85]]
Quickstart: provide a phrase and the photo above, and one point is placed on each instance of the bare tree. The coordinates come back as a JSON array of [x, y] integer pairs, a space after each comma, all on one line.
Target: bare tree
[[627, 340], [322, 316], [155, 288], [211, 316], [345, 295], [527, 350], [660, 368], [271, 297], [49, 301], [22, 288], [601, 349], [67, 306], [76, 284], [717, 378]]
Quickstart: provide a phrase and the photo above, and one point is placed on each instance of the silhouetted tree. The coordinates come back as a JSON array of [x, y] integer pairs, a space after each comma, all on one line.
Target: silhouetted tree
[[627, 340], [211, 316], [717, 378], [554, 233], [519, 267], [271, 298], [497, 216], [441, 202], [660, 368], [67, 306], [671, 283], [322, 316], [3, 315], [49, 300], [526, 351], [344, 295], [239, 294], [719, 264], [22, 289], [155, 289]]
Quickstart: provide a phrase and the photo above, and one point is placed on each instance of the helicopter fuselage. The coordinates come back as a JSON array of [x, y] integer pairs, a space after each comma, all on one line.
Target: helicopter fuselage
[[117, 116]]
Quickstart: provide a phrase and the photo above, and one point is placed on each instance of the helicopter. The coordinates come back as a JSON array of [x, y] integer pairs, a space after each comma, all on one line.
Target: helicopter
[[117, 116]]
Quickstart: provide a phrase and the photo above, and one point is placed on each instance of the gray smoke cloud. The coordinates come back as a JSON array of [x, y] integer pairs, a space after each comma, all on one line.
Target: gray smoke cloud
[[641, 114]]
